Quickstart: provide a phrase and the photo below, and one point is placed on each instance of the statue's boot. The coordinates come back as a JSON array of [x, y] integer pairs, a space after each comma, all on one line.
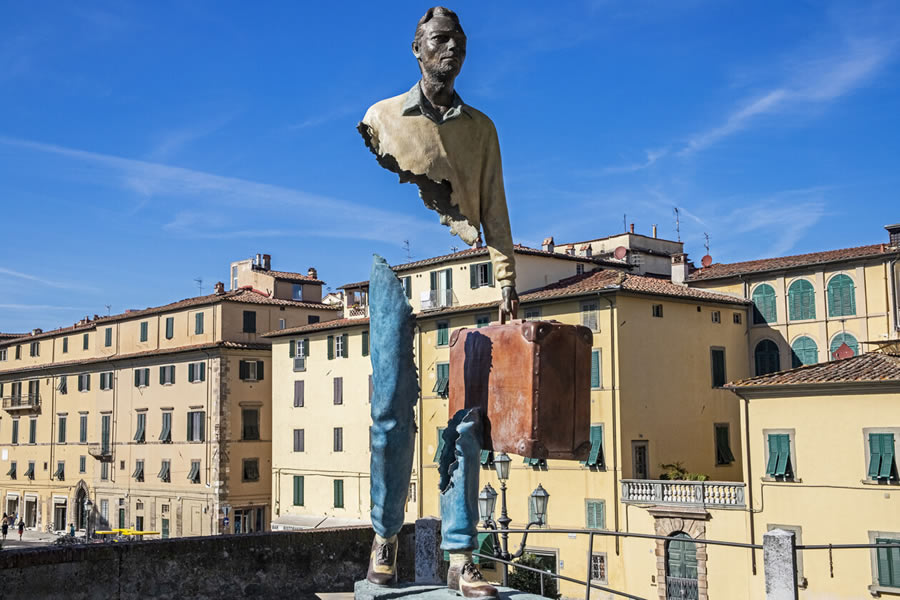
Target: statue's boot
[[464, 578], [383, 561]]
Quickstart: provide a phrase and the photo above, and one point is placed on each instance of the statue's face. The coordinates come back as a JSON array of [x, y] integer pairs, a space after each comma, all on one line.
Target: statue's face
[[442, 48]]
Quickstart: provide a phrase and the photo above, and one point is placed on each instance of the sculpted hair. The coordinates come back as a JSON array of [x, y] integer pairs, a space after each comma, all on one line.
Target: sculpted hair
[[436, 11]]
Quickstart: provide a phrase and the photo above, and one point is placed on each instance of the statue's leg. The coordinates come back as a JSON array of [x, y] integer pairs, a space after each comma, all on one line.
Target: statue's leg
[[458, 469], [396, 391]]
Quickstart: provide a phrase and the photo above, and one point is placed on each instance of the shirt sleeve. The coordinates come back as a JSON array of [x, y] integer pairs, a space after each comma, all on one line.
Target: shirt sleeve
[[495, 215]]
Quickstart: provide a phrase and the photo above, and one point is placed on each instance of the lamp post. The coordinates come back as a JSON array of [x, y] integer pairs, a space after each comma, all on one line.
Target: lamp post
[[487, 500], [88, 506]]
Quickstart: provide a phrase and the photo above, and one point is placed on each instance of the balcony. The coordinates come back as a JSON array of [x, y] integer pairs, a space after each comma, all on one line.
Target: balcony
[[679, 588], [358, 311], [711, 494], [436, 299], [22, 402], [101, 452]]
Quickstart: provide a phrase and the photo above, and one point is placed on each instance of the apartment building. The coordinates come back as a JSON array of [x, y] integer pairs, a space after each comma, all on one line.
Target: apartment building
[[814, 307], [644, 254], [158, 419], [661, 354]]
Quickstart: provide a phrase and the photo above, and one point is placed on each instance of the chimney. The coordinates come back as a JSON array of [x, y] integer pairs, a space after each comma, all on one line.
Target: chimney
[[267, 262], [894, 234], [312, 273], [654, 231], [632, 228], [548, 244], [680, 268], [36, 331], [220, 288]]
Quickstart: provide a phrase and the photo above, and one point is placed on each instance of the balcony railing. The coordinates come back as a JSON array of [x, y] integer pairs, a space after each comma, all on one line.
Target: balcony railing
[[359, 311], [22, 402], [716, 494], [101, 452], [679, 588], [437, 299]]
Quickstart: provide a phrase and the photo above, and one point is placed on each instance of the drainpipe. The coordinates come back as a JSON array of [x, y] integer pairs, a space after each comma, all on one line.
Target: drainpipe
[[615, 444], [209, 430], [749, 477], [893, 279]]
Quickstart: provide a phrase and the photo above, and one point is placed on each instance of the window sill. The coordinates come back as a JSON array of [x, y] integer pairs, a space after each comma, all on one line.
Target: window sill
[[892, 482], [877, 590], [303, 370], [776, 480]]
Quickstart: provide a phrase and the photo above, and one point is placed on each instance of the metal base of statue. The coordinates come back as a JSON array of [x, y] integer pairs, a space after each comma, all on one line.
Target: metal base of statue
[[366, 591]]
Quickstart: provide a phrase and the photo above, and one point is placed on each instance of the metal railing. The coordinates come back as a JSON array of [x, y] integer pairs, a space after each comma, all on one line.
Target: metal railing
[[681, 588], [437, 299], [22, 401], [717, 494], [359, 311]]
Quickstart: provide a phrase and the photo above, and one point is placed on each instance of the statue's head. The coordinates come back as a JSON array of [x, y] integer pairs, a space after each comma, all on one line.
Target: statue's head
[[440, 44]]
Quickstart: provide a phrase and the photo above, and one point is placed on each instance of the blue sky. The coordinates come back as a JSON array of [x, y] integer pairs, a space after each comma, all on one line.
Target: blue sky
[[143, 145]]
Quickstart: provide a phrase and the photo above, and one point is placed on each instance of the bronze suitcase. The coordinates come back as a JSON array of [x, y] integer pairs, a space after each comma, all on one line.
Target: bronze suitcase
[[533, 381]]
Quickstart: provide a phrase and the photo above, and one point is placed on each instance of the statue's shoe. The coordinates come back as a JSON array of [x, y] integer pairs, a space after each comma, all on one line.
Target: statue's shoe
[[383, 561], [468, 582]]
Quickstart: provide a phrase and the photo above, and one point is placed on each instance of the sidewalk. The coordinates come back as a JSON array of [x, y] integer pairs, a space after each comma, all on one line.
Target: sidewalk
[[32, 539]]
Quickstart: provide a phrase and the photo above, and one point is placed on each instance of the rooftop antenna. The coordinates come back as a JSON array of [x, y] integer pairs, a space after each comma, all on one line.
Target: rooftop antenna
[[454, 249], [624, 222], [706, 244], [677, 223], [199, 282], [406, 247], [108, 307]]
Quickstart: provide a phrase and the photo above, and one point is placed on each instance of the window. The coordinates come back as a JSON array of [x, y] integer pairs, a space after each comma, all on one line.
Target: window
[[339, 493], [60, 472], [779, 464], [165, 435], [535, 462], [338, 439], [298, 490], [737, 318], [250, 424], [365, 342], [804, 352], [104, 471], [533, 314], [299, 393], [657, 310], [84, 382], [165, 471], [589, 316], [442, 379], [406, 283], [140, 430], [194, 473], [595, 457], [440, 444], [141, 377], [107, 337], [251, 370], [139, 522], [841, 296], [443, 333], [249, 321], [482, 320], [299, 440], [29, 474], [62, 386], [234, 278], [170, 327], [196, 372], [196, 426], [296, 291], [34, 349], [640, 459], [716, 316], [198, 323], [768, 358], [12, 470], [138, 470], [764, 309], [282, 323], [105, 423], [882, 460], [106, 380], [337, 347], [724, 456], [311, 319], [85, 342], [250, 471], [338, 390], [145, 326], [3, 354], [15, 431], [481, 275], [595, 514], [167, 375], [887, 561], [65, 347], [32, 430], [579, 269], [838, 343], [82, 428], [299, 350], [61, 429], [596, 379], [801, 301], [82, 464], [717, 359], [441, 285]]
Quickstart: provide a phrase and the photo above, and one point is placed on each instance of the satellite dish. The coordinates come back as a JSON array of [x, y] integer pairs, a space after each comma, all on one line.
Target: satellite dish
[[706, 260], [620, 252]]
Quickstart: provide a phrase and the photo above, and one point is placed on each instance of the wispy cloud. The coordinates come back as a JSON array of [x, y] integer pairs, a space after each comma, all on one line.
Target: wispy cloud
[[170, 142], [788, 215], [325, 117], [43, 281], [651, 156]]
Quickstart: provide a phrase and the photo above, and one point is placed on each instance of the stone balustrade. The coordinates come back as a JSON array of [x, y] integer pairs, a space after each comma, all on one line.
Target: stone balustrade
[[712, 494]]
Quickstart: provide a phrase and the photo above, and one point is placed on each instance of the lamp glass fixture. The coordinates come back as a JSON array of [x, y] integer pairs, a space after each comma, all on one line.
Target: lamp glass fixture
[[539, 500], [487, 500], [501, 465]]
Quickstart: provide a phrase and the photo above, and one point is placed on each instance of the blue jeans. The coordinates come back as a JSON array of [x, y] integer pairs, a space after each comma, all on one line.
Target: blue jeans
[[459, 468]]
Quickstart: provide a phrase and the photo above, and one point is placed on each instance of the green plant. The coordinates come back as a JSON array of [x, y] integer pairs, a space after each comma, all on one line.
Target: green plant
[[676, 472], [529, 581]]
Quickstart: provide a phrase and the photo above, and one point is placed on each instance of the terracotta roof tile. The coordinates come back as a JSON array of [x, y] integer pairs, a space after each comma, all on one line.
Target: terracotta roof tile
[[320, 326], [720, 270], [11, 336], [294, 277], [865, 368]]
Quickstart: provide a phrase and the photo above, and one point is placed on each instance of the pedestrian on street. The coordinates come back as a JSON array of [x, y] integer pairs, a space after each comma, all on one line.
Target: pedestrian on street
[[4, 527], [71, 529], [21, 529]]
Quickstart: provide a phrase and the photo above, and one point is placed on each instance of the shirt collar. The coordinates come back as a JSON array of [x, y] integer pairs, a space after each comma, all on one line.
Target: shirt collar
[[416, 103]]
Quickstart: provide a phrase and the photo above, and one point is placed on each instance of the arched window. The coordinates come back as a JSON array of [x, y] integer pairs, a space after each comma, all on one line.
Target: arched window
[[801, 300], [804, 351], [841, 296], [767, 358], [841, 339], [764, 304], [681, 567]]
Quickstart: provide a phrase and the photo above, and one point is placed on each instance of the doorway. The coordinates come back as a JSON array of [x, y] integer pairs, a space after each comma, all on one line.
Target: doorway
[[30, 512], [59, 515], [80, 516], [640, 459], [681, 568]]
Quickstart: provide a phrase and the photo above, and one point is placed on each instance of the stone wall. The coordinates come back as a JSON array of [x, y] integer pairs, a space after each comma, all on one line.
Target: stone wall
[[259, 565]]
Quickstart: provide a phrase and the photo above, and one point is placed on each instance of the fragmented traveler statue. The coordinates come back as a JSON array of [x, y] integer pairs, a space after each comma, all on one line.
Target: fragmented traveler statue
[[430, 137]]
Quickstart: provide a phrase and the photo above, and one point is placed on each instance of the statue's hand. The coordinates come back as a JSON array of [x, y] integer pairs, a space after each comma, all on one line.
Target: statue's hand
[[509, 306]]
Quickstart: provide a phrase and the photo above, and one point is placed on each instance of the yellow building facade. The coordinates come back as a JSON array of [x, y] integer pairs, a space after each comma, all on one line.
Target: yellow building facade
[[158, 419]]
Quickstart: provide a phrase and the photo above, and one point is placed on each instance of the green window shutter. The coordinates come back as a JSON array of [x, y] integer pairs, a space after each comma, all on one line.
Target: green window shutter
[[473, 276], [407, 284], [190, 372], [874, 455], [773, 455], [887, 455], [888, 560], [801, 300], [330, 347], [486, 457], [365, 342], [440, 444], [596, 514], [844, 338], [292, 348], [841, 296], [443, 334], [298, 490], [243, 370], [595, 456], [339, 493], [765, 310], [782, 468], [260, 370], [162, 375], [433, 280], [490, 274], [306, 347], [345, 345], [595, 369], [804, 351], [449, 278]]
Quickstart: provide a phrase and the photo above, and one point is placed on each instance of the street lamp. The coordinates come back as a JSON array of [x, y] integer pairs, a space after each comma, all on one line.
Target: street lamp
[[501, 465], [88, 506], [487, 499], [539, 500]]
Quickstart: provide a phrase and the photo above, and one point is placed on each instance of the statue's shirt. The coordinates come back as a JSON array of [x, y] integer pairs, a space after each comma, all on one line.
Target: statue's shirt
[[455, 160]]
